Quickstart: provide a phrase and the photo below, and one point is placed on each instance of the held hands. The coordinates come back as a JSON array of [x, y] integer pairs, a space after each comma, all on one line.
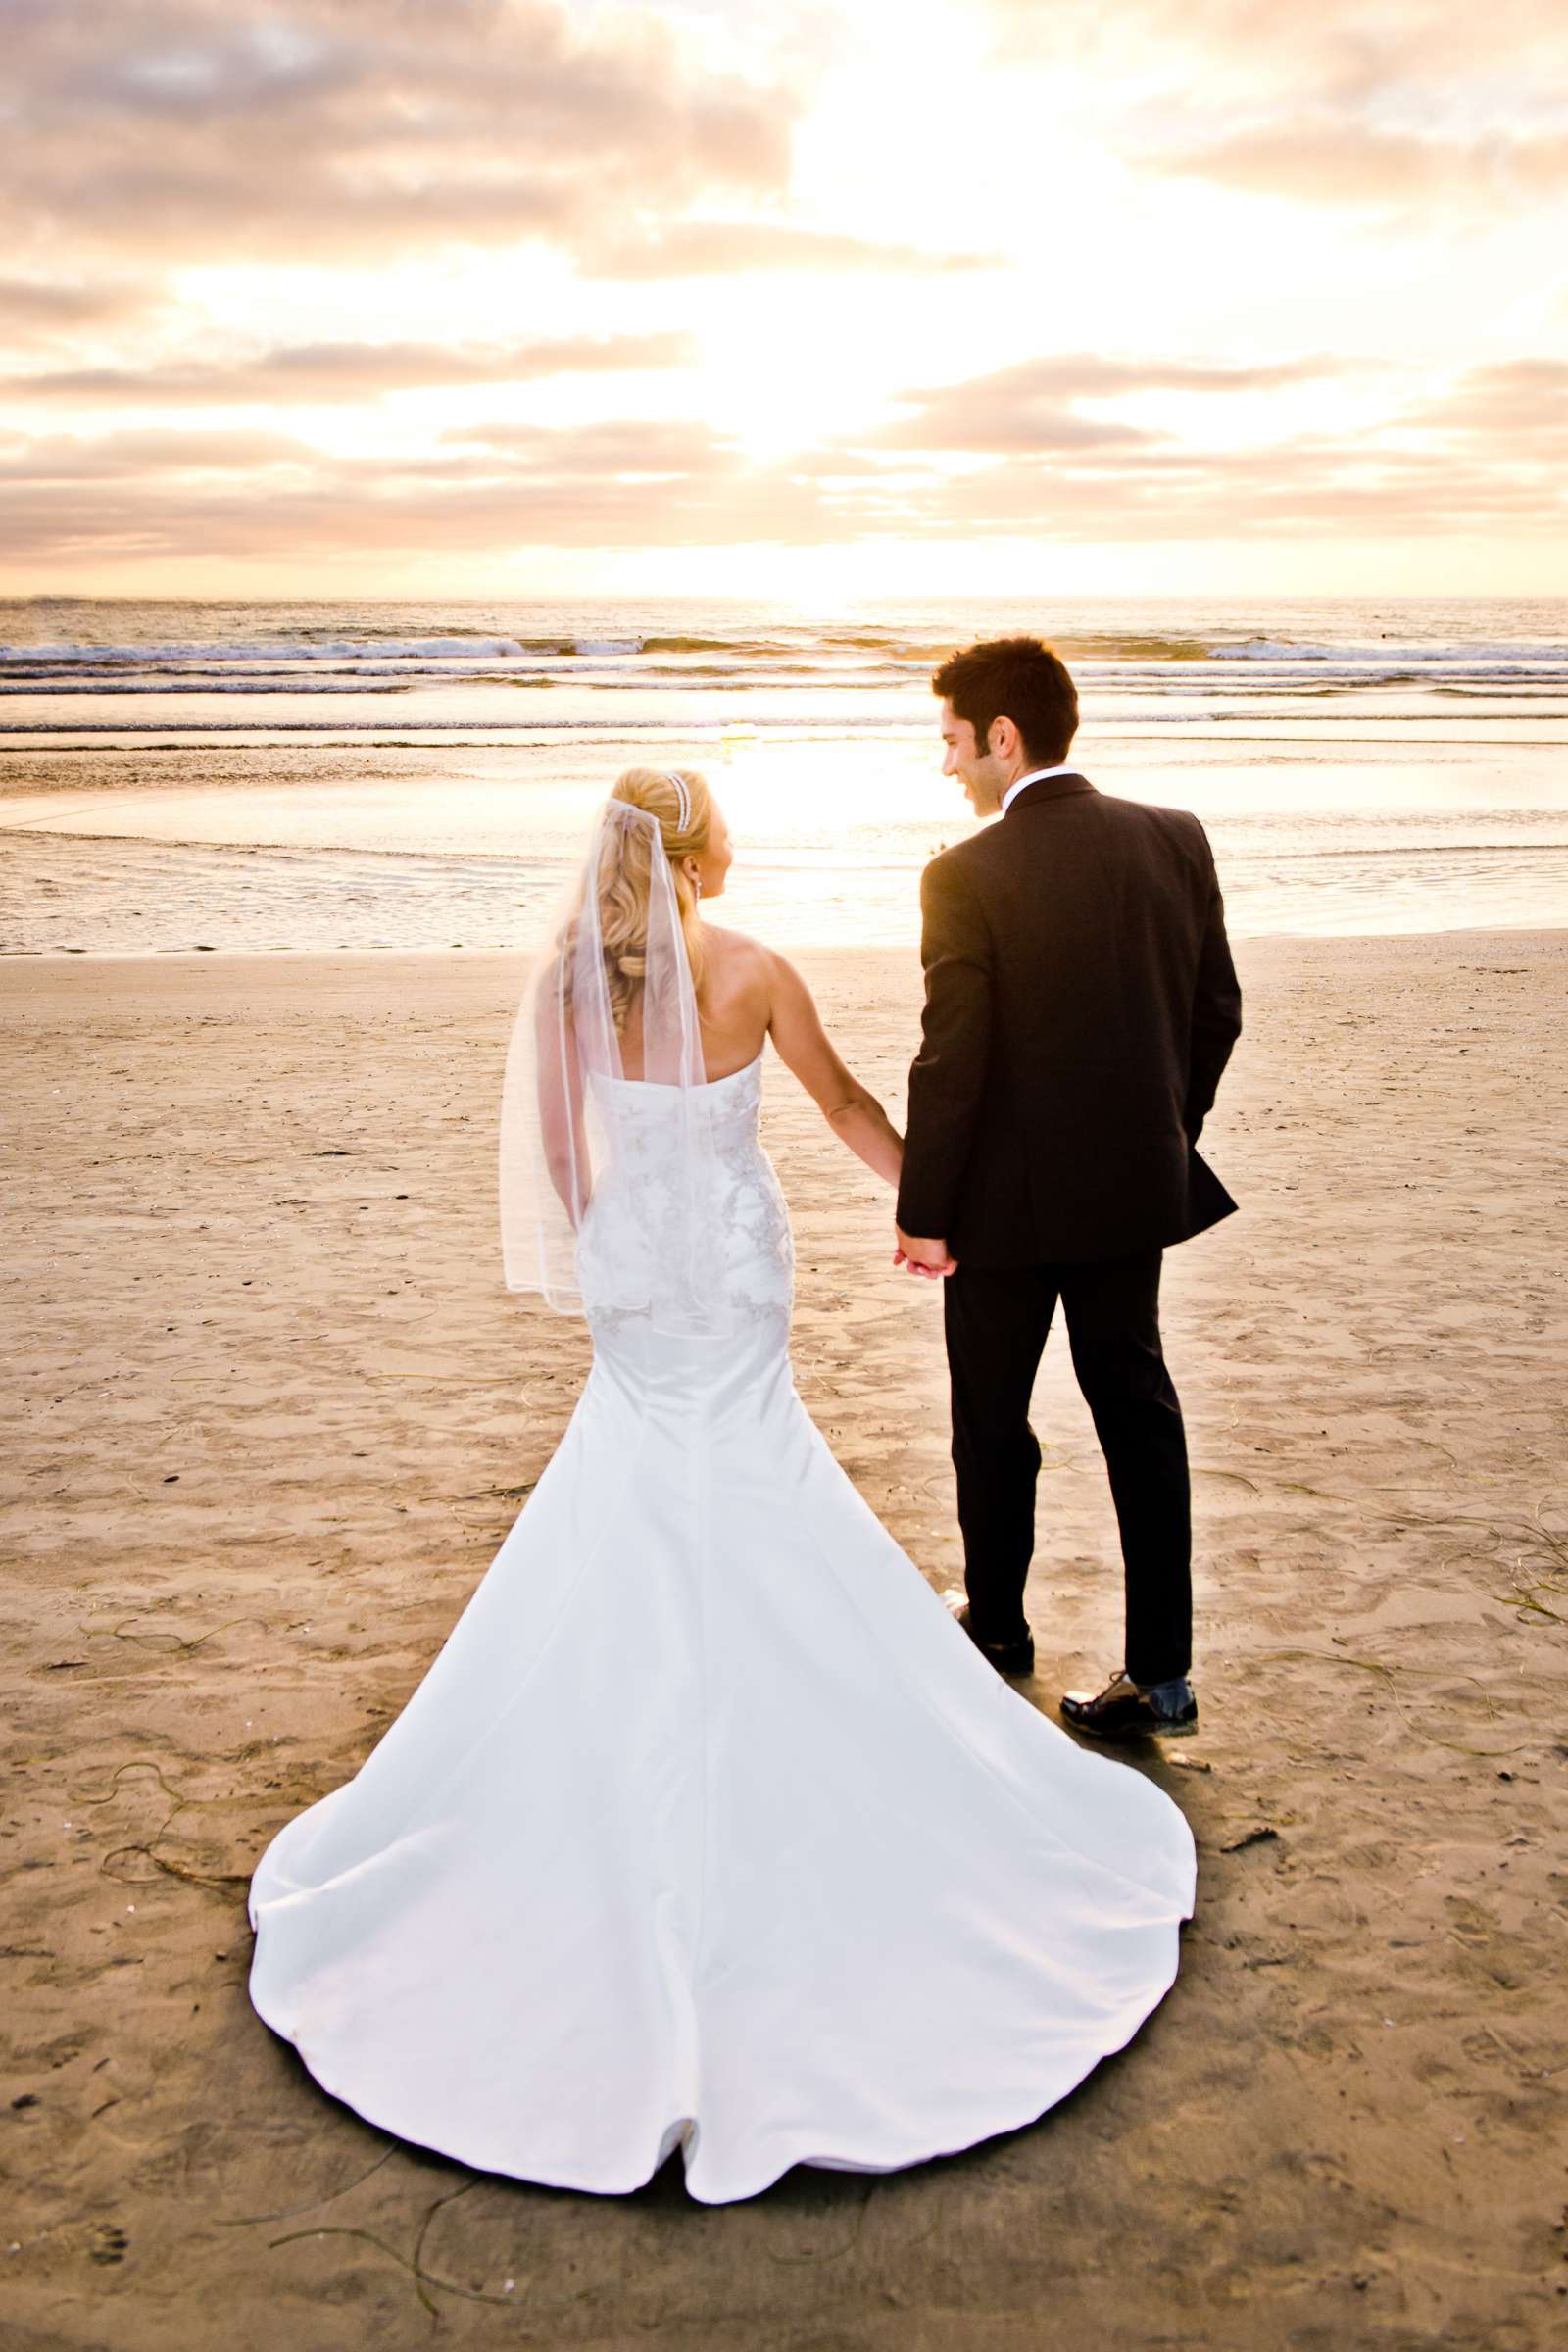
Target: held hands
[[923, 1255]]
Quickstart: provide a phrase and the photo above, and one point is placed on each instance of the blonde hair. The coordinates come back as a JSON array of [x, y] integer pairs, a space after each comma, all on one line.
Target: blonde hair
[[680, 801]]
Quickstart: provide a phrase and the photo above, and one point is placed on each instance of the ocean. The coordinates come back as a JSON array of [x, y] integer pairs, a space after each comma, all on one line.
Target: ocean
[[374, 775]]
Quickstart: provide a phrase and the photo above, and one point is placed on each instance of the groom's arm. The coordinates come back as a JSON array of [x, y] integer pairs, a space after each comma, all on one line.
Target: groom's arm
[[947, 1075], [1216, 1021]]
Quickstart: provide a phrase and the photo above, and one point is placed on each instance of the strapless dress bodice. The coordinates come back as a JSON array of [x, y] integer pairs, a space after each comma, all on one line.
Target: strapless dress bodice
[[671, 1155]]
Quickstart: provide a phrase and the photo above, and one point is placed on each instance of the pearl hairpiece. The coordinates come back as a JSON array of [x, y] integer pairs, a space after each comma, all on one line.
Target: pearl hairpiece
[[685, 798]]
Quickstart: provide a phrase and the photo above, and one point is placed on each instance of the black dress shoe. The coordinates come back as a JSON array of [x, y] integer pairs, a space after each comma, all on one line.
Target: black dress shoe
[[1008, 1657], [1124, 1710]]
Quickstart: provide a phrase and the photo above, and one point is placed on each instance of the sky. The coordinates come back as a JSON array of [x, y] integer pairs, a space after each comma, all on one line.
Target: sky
[[863, 297]]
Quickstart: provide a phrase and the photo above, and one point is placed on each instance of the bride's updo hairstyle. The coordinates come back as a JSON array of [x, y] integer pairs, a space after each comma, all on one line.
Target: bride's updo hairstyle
[[680, 801]]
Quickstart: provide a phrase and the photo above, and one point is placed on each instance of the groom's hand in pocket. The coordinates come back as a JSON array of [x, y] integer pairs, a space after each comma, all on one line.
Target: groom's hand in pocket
[[924, 1255]]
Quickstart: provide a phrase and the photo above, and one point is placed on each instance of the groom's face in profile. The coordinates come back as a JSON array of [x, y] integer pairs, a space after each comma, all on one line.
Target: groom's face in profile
[[984, 775]]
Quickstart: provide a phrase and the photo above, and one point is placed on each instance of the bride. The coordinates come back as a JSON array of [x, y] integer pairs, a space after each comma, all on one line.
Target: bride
[[709, 1828]]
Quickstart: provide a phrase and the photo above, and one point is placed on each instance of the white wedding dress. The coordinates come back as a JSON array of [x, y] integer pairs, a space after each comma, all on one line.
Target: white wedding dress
[[709, 1828]]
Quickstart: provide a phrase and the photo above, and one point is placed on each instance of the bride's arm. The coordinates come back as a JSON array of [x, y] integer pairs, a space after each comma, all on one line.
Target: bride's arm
[[853, 1114], [561, 1112]]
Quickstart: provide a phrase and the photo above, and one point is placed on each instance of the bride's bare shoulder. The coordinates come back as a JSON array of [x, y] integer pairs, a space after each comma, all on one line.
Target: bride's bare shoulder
[[725, 939], [750, 966], [737, 950]]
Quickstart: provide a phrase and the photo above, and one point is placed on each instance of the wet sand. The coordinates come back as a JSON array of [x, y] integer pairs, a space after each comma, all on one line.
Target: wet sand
[[270, 1414]]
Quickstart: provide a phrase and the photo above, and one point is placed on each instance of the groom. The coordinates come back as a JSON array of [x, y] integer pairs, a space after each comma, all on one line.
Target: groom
[[1081, 1003]]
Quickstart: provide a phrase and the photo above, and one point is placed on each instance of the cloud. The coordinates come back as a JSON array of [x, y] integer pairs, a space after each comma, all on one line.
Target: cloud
[[338, 130], [1487, 459], [1310, 490], [489, 489], [38, 306], [1324, 160], [956, 423], [39, 465], [1026, 407], [624, 447], [488, 511], [1519, 406], [1431, 102], [350, 371], [708, 248], [1349, 54]]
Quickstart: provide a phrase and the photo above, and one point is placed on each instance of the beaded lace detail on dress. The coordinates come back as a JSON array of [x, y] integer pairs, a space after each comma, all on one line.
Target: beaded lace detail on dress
[[637, 1204]]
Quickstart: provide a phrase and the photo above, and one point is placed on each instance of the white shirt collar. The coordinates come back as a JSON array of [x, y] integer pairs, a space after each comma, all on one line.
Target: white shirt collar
[[1033, 777]]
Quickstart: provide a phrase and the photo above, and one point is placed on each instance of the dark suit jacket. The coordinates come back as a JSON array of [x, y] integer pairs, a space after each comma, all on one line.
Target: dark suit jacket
[[1081, 1003]]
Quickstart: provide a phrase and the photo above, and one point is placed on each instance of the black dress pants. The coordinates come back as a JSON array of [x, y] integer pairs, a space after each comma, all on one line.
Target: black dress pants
[[998, 1320]]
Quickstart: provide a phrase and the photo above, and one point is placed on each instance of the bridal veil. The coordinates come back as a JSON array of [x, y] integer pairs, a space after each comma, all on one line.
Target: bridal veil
[[609, 1020]]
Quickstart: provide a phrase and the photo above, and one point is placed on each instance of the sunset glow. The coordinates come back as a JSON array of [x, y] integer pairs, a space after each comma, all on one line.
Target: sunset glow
[[507, 297]]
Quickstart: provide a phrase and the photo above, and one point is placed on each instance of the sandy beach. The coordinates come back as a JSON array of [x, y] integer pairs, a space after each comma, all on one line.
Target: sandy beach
[[269, 1412]]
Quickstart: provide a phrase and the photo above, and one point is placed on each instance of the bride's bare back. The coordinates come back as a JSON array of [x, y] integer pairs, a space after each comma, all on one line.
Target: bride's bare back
[[750, 993]]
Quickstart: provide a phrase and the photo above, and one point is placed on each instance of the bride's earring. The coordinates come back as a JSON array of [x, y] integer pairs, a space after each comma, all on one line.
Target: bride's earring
[[697, 888]]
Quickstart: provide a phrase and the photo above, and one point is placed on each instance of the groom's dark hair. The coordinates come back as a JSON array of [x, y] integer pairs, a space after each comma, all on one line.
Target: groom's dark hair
[[1019, 678]]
